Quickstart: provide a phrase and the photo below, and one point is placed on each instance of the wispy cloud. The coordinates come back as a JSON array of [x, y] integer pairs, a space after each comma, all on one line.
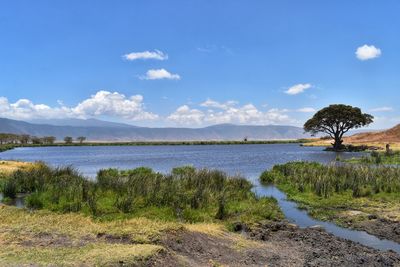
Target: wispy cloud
[[306, 110], [382, 109], [214, 104], [367, 52], [156, 54], [298, 88], [159, 74]]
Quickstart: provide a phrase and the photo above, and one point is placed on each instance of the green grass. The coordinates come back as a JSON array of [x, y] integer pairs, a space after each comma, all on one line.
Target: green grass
[[69, 217], [184, 195], [6, 147], [392, 158], [331, 192]]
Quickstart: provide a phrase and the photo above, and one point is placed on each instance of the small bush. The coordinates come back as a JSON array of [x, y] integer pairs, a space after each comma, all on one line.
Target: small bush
[[33, 201], [10, 189], [268, 177]]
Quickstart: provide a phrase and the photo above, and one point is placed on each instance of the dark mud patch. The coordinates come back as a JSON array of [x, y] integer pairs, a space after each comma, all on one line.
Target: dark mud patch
[[53, 240], [382, 228], [199, 249], [115, 239], [320, 248], [274, 244]]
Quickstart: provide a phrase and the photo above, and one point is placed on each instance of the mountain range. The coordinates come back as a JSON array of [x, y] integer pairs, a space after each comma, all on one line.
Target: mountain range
[[98, 130]]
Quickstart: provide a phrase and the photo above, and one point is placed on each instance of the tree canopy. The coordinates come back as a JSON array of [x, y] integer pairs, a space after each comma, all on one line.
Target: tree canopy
[[336, 120]]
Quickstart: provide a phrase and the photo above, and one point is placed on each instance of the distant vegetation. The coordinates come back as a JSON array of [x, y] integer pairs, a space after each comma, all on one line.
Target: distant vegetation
[[13, 142], [186, 194], [24, 139]]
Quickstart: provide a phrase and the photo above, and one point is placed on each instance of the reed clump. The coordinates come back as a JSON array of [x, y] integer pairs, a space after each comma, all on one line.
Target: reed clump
[[326, 180], [185, 194]]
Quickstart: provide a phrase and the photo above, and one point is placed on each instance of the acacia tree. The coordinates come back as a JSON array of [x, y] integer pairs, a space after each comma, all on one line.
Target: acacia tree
[[336, 120], [49, 140], [81, 139], [68, 139]]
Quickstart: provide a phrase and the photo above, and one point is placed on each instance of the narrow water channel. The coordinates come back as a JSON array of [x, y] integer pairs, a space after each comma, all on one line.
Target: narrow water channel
[[18, 202], [301, 218]]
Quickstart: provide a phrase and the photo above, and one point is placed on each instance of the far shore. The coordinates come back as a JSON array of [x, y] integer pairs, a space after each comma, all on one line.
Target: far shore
[[156, 143]]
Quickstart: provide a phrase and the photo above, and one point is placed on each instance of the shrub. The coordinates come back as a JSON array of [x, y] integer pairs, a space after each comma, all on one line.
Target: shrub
[[10, 189], [268, 177], [33, 201]]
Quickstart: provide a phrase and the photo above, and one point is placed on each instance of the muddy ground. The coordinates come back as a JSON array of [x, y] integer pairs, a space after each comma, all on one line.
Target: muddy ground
[[274, 244], [380, 227]]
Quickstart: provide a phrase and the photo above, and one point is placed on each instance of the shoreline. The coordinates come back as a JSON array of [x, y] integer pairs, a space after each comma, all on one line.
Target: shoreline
[[157, 143]]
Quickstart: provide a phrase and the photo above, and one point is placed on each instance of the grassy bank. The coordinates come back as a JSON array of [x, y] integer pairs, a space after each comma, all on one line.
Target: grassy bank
[[344, 194], [6, 147], [45, 238], [186, 194], [123, 217], [378, 158]]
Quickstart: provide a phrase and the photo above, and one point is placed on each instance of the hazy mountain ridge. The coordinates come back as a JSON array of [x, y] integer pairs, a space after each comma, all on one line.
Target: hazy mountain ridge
[[124, 132]]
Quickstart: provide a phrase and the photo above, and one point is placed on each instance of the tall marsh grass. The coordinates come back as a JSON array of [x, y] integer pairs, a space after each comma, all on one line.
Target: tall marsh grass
[[324, 180], [186, 193]]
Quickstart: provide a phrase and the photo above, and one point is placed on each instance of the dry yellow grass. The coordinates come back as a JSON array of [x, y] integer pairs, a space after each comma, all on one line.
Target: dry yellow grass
[[44, 238], [11, 166], [98, 254], [382, 145], [238, 241]]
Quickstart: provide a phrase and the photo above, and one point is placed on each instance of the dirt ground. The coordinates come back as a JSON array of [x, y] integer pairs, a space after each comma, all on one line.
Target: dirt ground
[[276, 244], [380, 227]]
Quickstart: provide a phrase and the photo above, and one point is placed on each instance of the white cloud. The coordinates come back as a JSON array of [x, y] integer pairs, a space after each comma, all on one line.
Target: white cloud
[[366, 52], [298, 88], [156, 54], [114, 104], [382, 109], [306, 110], [102, 103], [186, 116], [214, 104], [159, 74], [228, 112]]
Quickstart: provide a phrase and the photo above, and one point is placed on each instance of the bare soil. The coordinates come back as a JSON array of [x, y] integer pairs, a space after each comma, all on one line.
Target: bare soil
[[382, 228], [277, 244]]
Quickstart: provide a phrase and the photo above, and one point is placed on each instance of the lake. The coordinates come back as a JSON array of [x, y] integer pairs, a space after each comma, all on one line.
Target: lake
[[247, 160]]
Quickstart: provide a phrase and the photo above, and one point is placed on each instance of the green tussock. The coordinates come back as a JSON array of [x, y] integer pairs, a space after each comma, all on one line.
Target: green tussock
[[329, 191], [185, 195]]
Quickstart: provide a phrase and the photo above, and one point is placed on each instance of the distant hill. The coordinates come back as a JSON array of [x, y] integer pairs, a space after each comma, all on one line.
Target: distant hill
[[96, 130], [390, 135]]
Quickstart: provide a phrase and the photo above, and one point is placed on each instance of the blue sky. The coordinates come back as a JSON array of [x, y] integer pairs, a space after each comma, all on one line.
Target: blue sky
[[196, 63]]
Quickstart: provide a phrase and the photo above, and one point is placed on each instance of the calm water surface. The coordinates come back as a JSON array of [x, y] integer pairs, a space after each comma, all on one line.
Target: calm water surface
[[246, 160]]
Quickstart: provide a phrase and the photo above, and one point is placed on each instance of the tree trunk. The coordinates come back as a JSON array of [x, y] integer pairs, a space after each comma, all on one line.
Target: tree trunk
[[337, 145]]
